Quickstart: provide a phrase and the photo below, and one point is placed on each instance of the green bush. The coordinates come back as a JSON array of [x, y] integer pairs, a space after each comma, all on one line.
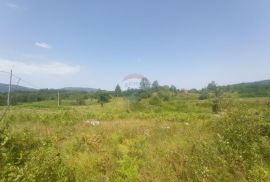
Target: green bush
[[24, 158], [46, 165], [155, 100], [216, 106], [242, 140], [204, 95], [80, 101]]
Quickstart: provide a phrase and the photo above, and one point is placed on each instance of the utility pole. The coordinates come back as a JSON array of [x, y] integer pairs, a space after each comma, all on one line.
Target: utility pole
[[9, 88], [58, 96]]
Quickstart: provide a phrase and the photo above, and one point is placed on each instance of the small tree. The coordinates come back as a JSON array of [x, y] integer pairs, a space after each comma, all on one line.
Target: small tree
[[145, 84], [212, 86], [118, 90], [103, 98], [155, 85]]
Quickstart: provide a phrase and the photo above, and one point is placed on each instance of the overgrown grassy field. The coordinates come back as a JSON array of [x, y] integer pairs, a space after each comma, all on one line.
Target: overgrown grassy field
[[175, 140]]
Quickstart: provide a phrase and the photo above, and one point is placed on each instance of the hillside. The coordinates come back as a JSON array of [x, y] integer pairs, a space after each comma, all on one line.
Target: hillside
[[81, 89], [4, 88], [251, 89]]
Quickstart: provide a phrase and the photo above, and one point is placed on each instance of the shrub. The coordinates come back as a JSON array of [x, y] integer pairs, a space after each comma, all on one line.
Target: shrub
[[242, 140], [80, 101], [46, 165], [24, 158], [165, 95], [216, 106], [204, 95], [155, 100]]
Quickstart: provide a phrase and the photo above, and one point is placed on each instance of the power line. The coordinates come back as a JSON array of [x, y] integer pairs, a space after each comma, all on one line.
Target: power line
[[22, 80], [4, 72], [19, 79]]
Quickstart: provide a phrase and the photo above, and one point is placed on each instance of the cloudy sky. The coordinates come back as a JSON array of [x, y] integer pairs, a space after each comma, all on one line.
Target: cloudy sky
[[97, 43]]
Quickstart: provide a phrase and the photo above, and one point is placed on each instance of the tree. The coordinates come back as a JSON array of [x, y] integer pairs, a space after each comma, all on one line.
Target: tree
[[145, 84], [118, 90], [103, 98], [155, 85], [212, 86]]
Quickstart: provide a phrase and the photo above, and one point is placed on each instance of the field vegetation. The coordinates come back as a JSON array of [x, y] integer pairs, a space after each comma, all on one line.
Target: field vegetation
[[156, 133]]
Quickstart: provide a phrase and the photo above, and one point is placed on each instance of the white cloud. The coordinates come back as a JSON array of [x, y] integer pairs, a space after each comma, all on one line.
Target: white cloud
[[43, 45], [12, 6], [50, 68]]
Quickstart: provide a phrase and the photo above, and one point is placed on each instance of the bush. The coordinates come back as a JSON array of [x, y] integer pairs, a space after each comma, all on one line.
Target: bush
[[216, 106], [203, 96], [24, 158], [165, 95], [46, 165], [155, 100], [80, 101], [242, 140]]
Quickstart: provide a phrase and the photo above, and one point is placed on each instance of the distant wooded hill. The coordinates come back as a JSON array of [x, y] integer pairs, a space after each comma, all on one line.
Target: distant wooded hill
[[80, 89], [4, 88], [252, 89]]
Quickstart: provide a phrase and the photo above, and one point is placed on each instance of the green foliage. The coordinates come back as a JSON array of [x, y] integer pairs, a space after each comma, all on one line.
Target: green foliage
[[144, 94], [128, 170], [155, 85], [173, 89], [254, 89], [18, 97], [103, 97], [162, 137], [24, 158], [216, 106], [155, 100], [164, 94], [45, 164], [3, 100], [212, 86], [243, 142], [204, 95], [135, 98], [80, 101], [145, 84], [118, 90], [268, 103]]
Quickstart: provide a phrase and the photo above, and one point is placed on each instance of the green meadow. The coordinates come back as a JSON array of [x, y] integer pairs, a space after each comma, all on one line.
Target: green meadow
[[180, 138]]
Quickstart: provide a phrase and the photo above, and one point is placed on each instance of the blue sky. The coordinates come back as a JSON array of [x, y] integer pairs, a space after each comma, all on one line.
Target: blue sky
[[96, 43]]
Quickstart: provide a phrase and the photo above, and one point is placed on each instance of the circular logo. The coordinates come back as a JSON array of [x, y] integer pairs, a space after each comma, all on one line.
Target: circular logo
[[132, 81]]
